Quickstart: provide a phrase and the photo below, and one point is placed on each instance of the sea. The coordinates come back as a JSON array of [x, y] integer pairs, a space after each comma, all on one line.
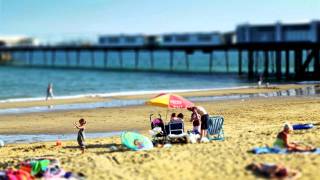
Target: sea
[[27, 84]]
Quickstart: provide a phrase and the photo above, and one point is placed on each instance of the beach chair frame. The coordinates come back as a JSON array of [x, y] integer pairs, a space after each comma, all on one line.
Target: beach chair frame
[[215, 128], [179, 128]]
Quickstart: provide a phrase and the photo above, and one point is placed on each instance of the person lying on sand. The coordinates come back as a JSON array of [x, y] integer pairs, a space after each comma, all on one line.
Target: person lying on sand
[[273, 171], [81, 135], [282, 141]]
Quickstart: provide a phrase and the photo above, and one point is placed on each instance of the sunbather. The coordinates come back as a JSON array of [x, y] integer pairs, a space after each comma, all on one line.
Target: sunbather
[[282, 141], [273, 170]]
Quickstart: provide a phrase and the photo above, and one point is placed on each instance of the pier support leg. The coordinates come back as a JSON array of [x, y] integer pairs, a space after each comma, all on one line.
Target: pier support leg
[[152, 59], [67, 58], [287, 64], [136, 59], [266, 64], [120, 59], [53, 58], [316, 68], [30, 58], [272, 61], [240, 62], [92, 58], [187, 60], [278, 65], [297, 63], [226, 54], [45, 59], [105, 59], [171, 60], [256, 63], [78, 57], [210, 61], [250, 64]]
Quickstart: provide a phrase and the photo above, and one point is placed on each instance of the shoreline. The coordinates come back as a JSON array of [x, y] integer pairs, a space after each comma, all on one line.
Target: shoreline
[[107, 97]]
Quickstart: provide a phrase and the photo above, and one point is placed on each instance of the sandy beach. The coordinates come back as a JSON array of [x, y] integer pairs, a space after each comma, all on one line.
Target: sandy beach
[[248, 123]]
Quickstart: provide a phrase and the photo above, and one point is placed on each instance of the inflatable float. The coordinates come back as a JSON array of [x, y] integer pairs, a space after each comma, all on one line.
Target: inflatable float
[[302, 126], [136, 141]]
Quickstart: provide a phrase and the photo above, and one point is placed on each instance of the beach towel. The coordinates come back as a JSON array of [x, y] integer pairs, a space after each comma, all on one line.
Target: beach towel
[[273, 150]]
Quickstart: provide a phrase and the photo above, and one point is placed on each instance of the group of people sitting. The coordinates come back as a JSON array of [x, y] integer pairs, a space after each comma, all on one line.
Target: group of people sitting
[[199, 118]]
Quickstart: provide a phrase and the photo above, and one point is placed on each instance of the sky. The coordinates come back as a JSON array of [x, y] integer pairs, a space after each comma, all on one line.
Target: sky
[[54, 19]]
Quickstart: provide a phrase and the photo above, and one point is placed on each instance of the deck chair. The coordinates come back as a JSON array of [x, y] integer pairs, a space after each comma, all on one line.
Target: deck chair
[[215, 128], [175, 130]]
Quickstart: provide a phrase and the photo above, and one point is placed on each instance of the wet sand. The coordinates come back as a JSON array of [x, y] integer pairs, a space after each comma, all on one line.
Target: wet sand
[[89, 99], [248, 123]]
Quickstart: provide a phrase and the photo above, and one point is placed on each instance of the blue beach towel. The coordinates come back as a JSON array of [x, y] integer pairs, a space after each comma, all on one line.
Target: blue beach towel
[[273, 150]]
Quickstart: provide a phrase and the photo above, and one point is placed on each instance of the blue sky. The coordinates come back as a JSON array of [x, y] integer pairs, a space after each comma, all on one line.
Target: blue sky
[[57, 18]]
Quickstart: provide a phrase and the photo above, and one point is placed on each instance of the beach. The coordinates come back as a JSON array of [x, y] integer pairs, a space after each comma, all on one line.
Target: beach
[[249, 122]]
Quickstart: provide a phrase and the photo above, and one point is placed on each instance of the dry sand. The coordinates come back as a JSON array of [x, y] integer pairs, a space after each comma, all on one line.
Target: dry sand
[[248, 123]]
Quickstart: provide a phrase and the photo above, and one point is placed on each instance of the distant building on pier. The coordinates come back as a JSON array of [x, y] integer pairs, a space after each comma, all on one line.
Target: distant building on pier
[[18, 41], [172, 39], [185, 39], [304, 32], [123, 40]]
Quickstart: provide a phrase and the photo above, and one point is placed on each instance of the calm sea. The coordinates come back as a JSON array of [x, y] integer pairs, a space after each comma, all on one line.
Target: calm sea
[[17, 83]]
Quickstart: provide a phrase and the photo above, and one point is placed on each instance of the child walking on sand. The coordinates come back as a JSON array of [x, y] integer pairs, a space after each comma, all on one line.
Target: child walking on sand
[[81, 135]]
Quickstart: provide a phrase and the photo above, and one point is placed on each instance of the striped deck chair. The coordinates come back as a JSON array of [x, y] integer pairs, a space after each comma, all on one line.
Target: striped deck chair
[[215, 128]]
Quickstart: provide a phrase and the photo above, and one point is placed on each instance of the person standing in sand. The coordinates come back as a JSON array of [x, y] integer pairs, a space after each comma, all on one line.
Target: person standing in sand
[[49, 91], [200, 111], [81, 134]]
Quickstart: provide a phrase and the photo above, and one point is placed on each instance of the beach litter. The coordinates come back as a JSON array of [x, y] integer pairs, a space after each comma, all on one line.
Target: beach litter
[[1, 143], [44, 168]]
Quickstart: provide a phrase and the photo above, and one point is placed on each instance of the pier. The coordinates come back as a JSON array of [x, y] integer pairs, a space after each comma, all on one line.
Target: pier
[[281, 60]]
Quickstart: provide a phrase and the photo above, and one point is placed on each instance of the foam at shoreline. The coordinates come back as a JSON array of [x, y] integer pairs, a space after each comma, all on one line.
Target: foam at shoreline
[[115, 94]]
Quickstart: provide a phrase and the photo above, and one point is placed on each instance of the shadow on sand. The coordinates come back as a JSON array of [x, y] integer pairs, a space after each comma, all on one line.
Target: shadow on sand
[[113, 147]]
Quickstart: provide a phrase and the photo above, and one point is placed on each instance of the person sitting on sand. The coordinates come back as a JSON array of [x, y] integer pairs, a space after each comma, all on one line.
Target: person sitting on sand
[[195, 119], [81, 134], [138, 143], [273, 171], [282, 141]]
